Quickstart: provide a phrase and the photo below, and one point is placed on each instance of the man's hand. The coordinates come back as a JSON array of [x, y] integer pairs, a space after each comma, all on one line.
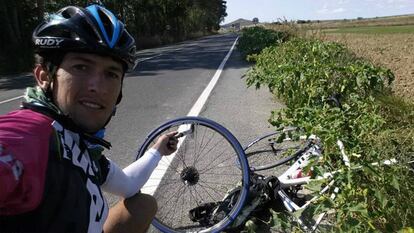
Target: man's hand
[[166, 143]]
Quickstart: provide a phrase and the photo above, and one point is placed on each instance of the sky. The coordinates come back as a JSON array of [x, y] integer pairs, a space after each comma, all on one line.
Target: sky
[[272, 10]]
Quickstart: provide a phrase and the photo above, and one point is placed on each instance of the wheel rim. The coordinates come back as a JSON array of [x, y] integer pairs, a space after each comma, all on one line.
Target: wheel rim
[[195, 178]]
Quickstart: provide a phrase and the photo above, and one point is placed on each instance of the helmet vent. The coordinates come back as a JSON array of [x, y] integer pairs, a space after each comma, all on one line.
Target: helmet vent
[[52, 32], [89, 30], [69, 12], [123, 39], [106, 21]]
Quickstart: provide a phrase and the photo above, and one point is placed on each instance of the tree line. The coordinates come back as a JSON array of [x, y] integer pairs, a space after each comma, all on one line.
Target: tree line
[[151, 22]]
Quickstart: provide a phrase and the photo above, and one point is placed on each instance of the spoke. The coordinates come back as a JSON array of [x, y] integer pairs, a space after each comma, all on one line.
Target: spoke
[[181, 158], [196, 155], [182, 206], [205, 192], [195, 142], [182, 150], [206, 187], [174, 210], [165, 204], [194, 196], [172, 195], [216, 156], [215, 165], [211, 182], [222, 174], [171, 166], [203, 147], [221, 167], [215, 145]]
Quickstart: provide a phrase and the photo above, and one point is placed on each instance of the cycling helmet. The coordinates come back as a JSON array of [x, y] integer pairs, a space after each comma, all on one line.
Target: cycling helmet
[[93, 29]]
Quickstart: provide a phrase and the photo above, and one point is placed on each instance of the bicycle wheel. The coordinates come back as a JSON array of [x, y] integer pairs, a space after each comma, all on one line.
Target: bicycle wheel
[[199, 173], [274, 149]]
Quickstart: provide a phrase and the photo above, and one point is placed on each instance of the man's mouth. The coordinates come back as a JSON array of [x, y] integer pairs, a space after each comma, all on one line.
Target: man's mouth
[[91, 105]]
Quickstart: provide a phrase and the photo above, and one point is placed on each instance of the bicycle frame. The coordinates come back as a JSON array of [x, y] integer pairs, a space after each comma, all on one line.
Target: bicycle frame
[[292, 177]]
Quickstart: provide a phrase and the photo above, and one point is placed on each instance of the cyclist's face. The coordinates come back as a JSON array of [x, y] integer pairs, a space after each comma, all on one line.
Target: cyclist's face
[[87, 87]]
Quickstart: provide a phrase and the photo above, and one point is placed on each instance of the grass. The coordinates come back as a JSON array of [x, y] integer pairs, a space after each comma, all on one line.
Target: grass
[[374, 29]]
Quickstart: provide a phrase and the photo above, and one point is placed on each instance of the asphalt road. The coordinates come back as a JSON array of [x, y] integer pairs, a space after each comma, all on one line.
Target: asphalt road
[[166, 84]]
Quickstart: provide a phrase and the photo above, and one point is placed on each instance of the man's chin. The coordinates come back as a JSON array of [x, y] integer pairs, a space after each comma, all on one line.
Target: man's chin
[[90, 127]]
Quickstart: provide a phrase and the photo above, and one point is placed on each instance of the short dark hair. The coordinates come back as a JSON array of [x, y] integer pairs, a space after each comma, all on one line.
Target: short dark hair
[[49, 61]]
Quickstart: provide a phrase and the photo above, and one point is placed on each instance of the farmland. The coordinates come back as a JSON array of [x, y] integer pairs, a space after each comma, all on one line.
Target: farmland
[[386, 41], [374, 29], [394, 51]]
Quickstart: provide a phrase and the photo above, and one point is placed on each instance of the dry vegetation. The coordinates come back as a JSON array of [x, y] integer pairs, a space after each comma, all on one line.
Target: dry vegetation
[[383, 21], [394, 51]]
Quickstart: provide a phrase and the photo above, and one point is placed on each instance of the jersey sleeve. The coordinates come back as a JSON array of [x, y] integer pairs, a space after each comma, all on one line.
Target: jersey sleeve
[[104, 164], [128, 181], [24, 146]]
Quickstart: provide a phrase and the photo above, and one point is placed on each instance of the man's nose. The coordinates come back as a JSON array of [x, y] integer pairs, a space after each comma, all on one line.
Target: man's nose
[[95, 82]]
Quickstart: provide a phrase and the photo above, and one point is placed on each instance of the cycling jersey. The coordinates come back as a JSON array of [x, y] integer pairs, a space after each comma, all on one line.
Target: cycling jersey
[[50, 179]]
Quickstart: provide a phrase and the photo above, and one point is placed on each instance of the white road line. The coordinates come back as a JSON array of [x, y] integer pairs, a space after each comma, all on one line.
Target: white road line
[[149, 58], [196, 109], [9, 100], [161, 169]]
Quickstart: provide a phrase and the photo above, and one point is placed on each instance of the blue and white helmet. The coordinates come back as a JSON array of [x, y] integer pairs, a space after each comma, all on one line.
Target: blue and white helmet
[[93, 29]]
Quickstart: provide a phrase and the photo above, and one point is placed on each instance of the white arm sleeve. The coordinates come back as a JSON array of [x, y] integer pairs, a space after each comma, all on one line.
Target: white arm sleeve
[[129, 181]]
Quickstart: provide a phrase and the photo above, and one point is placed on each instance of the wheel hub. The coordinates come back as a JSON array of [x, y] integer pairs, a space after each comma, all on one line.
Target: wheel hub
[[190, 176]]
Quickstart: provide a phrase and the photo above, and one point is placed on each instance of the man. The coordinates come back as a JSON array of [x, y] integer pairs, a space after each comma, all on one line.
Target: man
[[52, 172]]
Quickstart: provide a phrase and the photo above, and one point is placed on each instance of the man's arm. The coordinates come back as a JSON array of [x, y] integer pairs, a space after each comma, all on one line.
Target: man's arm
[[129, 181]]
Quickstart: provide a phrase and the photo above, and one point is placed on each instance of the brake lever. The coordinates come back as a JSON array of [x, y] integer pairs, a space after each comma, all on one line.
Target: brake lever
[[185, 132]]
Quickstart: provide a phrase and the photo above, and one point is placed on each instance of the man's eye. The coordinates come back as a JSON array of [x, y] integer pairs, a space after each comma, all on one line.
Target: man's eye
[[80, 67], [113, 75]]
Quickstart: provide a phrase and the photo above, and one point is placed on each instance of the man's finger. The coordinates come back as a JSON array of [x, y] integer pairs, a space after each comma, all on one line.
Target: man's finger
[[170, 134]]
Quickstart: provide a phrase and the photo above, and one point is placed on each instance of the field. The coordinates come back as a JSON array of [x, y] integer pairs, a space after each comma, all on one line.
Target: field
[[361, 22], [386, 41], [394, 51], [374, 29]]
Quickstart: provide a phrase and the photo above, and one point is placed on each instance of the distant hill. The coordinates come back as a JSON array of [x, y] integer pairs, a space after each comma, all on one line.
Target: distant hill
[[240, 23]]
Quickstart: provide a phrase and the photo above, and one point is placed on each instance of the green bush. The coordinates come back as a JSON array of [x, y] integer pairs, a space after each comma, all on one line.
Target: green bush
[[255, 39], [304, 74]]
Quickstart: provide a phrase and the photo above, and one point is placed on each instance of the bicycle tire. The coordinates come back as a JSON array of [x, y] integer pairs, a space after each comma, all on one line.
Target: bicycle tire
[[262, 156], [196, 173]]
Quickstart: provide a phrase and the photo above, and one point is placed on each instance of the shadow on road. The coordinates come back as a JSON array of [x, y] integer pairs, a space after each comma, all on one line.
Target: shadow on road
[[11, 82], [206, 53]]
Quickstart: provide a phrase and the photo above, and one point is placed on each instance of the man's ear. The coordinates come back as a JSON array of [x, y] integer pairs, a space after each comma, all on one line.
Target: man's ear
[[42, 77]]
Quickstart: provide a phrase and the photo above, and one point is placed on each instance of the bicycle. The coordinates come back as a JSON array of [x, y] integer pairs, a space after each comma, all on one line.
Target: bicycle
[[193, 199], [189, 180]]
